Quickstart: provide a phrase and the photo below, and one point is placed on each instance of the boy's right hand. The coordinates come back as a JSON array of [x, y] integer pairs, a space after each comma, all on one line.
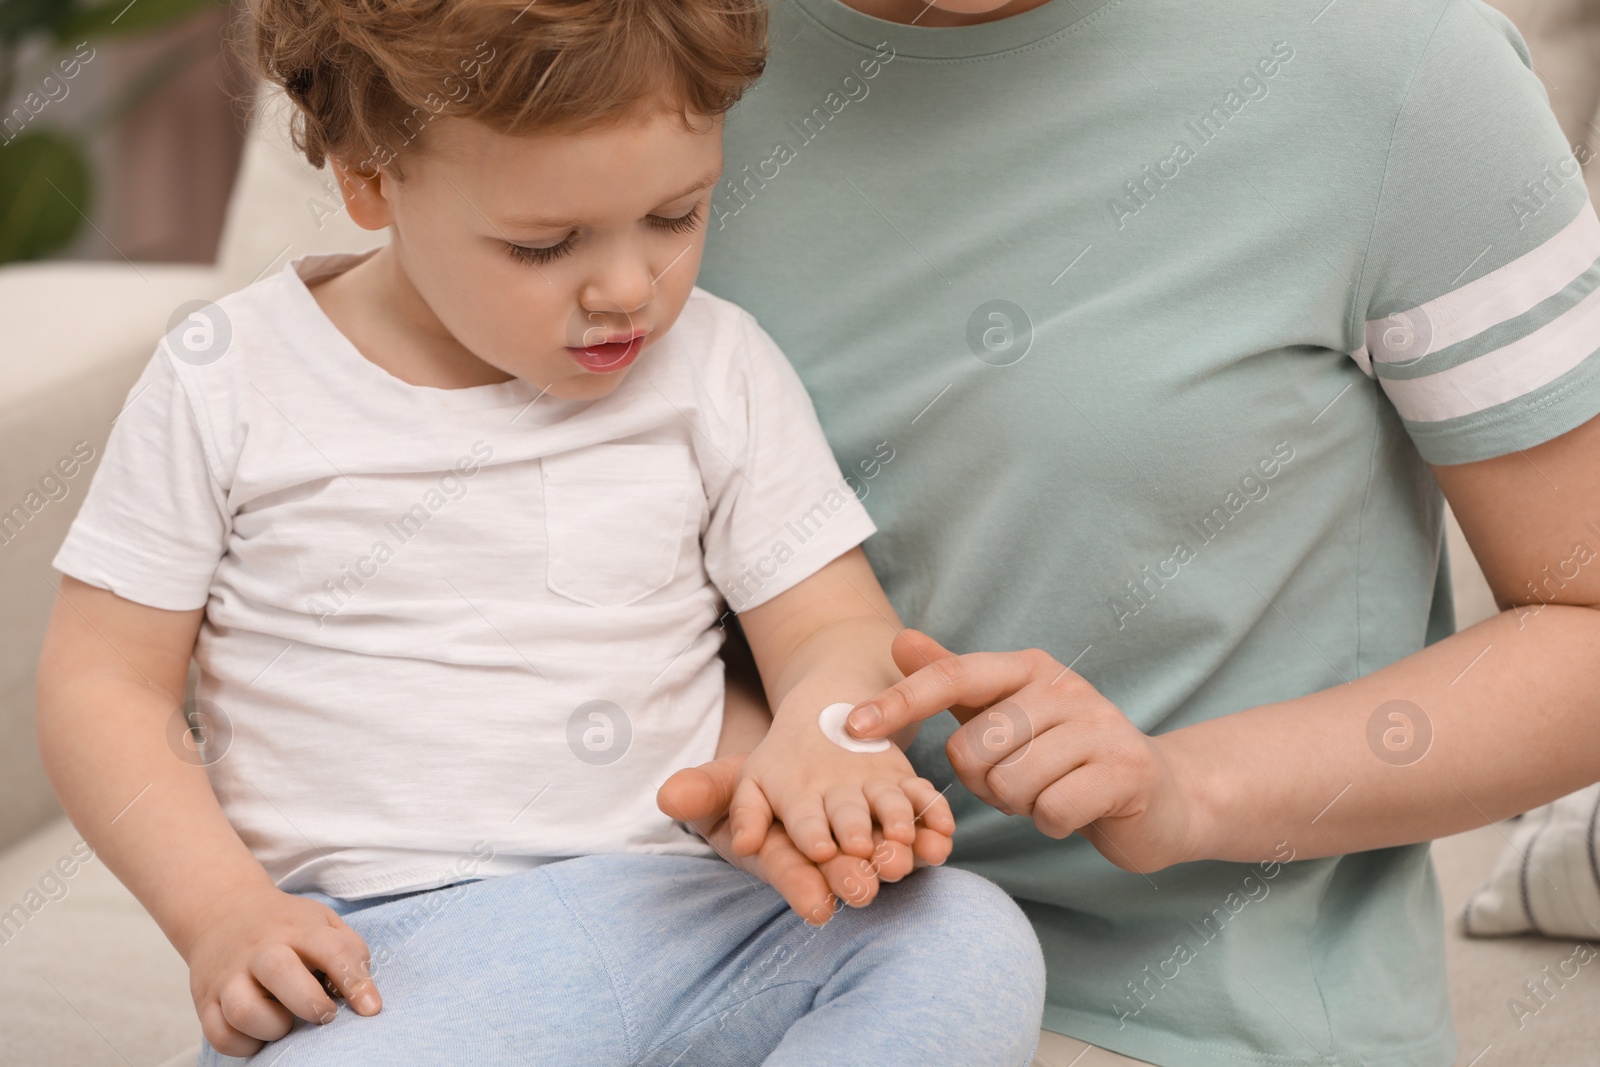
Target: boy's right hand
[[250, 967]]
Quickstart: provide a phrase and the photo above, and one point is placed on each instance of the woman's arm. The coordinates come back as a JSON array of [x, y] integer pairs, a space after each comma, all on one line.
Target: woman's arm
[[1512, 704], [110, 699], [1492, 721]]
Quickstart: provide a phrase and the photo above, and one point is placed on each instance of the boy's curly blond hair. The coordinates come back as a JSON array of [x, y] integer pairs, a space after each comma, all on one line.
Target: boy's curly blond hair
[[367, 76]]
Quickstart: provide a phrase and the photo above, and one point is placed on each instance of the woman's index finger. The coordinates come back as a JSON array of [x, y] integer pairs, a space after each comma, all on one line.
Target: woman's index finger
[[963, 684]]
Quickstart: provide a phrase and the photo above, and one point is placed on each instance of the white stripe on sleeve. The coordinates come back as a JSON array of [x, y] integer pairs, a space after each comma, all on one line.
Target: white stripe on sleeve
[[1517, 369], [1500, 295]]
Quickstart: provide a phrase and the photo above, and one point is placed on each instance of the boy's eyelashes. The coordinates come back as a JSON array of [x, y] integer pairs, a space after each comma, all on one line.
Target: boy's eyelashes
[[524, 254], [685, 223]]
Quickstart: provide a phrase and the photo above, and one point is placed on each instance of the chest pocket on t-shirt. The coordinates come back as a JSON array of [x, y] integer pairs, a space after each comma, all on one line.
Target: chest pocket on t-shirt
[[614, 518]]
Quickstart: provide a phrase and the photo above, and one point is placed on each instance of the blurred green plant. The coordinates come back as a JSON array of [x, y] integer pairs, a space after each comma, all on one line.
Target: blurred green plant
[[46, 186]]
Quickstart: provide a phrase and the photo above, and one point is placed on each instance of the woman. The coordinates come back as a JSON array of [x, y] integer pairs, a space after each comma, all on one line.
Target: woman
[[1150, 332]]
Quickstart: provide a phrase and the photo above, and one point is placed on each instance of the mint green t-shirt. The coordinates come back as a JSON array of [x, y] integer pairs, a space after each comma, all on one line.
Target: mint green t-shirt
[[1135, 323]]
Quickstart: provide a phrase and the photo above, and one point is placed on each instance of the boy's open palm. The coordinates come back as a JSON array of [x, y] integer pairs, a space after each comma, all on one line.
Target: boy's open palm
[[250, 969]]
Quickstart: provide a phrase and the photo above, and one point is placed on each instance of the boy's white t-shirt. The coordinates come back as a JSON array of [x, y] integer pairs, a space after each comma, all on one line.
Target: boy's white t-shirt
[[454, 632]]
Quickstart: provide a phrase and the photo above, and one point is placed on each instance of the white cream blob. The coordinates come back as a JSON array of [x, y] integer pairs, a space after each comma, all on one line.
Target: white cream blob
[[832, 722]]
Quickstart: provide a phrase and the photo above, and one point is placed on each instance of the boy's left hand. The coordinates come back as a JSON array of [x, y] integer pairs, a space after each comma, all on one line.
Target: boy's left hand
[[701, 795], [828, 797]]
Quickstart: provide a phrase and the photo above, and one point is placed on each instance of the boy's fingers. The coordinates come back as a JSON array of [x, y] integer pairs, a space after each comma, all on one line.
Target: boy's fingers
[[245, 1007], [700, 794], [282, 973], [852, 879], [749, 817], [342, 955], [892, 809], [893, 860], [931, 847], [808, 828], [222, 1036], [851, 820], [795, 878], [931, 808]]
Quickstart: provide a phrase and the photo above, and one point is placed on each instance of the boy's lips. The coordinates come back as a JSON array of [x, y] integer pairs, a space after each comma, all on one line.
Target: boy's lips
[[609, 356]]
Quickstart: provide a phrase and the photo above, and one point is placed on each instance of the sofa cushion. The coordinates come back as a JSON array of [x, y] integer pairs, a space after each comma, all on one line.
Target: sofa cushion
[[1547, 877], [77, 336], [281, 207], [86, 976]]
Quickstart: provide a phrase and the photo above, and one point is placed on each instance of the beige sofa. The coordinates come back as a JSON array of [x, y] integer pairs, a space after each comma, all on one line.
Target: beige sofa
[[85, 977]]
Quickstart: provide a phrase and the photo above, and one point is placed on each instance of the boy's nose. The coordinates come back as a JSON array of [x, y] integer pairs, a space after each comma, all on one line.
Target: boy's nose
[[623, 287]]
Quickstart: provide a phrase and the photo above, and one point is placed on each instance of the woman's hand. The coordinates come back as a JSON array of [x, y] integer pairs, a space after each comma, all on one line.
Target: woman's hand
[[1039, 741], [701, 796], [250, 968]]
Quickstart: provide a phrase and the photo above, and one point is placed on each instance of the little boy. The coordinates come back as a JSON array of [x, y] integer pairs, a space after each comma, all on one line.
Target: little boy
[[448, 527]]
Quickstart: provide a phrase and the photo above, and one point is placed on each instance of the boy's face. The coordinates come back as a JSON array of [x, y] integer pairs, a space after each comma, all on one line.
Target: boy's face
[[555, 257], [944, 12]]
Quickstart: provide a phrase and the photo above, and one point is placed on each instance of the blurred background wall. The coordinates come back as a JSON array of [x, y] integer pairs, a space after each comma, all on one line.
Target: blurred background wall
[[121, 129], [1564, 37]]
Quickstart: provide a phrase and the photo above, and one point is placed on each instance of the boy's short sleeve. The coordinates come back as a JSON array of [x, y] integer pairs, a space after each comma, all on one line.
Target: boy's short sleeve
[[785, 511], [1481, 285], [153, 525]]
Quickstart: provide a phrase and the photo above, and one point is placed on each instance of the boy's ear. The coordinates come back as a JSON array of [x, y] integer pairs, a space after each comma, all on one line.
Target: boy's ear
[[363, 195]]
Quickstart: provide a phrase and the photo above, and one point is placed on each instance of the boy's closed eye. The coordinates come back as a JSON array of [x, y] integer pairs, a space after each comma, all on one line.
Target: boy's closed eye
[[687, 222]]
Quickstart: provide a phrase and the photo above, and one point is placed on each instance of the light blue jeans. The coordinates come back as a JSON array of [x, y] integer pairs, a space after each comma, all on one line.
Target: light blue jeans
[[674, 960]]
